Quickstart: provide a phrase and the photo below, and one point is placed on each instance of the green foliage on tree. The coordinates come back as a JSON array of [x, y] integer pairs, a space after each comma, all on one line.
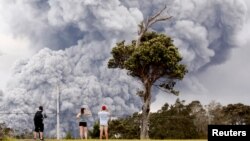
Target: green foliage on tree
[[200, 119], [155, 58], [69, 135], [125, 128], [174, 122], [215, 113], [156, 61], [5, 132], [95, 133], [180, 120], [237, 114]]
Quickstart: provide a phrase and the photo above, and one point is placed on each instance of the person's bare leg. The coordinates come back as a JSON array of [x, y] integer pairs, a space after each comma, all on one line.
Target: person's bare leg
[[34, 135], [101, 132], [106, 132], [85, 129], [41, 135], [81, 132]]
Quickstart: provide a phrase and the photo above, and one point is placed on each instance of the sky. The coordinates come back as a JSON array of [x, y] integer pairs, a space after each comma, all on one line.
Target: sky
[[45, 44]]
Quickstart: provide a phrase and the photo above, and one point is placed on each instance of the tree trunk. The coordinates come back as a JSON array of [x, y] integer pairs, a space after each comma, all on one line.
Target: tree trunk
[[145, 111], [138, 41]]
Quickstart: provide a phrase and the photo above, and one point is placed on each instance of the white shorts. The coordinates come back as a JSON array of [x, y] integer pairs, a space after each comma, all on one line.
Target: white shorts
[[104, 126]]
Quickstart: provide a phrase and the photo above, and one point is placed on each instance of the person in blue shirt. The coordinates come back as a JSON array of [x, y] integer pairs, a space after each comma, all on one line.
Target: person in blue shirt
[[104, 117], [82, 118]]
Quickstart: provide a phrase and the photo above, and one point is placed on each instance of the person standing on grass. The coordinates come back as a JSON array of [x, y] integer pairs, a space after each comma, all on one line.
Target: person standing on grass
[[38, 122], [82, 117], [104, 117]]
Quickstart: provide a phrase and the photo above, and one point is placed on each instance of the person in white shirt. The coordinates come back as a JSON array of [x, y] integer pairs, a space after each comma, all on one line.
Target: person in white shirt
[[104, 117]]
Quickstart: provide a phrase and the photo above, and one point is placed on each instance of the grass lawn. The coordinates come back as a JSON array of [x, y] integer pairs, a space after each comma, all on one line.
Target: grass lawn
[[132, 140], [109, 139]]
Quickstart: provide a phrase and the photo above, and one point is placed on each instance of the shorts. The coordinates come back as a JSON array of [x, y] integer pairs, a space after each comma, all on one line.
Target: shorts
[[39, 127], [84, 124], [104, 125]]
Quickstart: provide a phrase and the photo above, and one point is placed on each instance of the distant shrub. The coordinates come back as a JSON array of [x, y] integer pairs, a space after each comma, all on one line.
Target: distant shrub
[[69, 136]]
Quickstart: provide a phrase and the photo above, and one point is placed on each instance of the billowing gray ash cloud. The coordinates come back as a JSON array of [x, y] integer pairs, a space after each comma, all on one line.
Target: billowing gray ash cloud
[[80, 70], [87, 30], [61, 24], [203, 30], [1, 95]]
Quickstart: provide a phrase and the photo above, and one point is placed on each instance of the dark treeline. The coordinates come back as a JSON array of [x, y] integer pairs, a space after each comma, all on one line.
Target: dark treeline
[[181, 121]]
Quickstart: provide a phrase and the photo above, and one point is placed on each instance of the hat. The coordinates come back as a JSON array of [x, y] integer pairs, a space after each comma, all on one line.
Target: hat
[[104, 107]]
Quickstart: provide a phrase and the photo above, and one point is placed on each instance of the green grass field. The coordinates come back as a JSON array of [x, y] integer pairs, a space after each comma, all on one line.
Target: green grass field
[[104, 140], [131, 140], [134, 140]]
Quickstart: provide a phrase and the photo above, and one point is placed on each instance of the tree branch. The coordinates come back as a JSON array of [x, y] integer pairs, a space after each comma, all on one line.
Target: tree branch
[[152, 18], [145, 25]]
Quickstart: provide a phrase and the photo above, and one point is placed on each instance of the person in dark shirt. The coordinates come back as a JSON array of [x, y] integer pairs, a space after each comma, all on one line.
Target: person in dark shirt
[[38, 122]]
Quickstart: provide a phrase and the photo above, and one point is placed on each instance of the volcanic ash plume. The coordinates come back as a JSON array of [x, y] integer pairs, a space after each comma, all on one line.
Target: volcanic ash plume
[[203, 30], [79, 35], [77, 79], [79, 73], [1, 95]]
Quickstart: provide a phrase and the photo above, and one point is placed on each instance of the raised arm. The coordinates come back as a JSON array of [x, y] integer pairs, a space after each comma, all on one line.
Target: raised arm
[[87, 112], [78, 115]]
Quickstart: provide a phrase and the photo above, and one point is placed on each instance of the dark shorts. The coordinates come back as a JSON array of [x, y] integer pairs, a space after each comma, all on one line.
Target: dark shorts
[[39, 127], [84, 124]]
